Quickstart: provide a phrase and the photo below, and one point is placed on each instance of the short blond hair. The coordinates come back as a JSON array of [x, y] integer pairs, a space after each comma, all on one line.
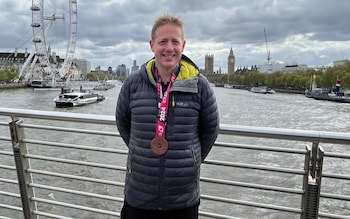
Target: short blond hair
[[167, 19]]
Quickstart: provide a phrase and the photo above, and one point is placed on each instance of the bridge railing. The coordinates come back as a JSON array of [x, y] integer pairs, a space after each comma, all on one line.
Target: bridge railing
[[69, 165]]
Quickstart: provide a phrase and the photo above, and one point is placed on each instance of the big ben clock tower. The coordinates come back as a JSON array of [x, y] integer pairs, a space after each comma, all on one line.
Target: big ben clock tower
[[231, 63]]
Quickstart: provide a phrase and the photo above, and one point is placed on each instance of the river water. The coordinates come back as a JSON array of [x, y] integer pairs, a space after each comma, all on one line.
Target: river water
[[238, 107]]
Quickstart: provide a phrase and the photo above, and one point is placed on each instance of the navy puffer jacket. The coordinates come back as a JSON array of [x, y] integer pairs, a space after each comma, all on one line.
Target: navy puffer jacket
[[169, 181]]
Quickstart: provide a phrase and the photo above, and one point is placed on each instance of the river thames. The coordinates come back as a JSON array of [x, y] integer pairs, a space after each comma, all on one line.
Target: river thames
[[236, 107]]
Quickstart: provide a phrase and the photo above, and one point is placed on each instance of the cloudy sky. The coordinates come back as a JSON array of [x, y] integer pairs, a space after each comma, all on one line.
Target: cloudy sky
[[114, 32]]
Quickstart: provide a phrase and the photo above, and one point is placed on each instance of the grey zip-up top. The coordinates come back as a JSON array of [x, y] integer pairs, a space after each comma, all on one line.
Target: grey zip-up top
[[169, 181]]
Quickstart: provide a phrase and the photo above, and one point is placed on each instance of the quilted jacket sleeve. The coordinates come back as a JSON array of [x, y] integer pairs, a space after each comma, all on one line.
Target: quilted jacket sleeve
[[208, 118], [123, 115]]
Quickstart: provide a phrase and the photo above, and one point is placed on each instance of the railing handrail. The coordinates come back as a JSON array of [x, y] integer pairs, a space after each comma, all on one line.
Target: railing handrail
[[250, 131], [53, 115]]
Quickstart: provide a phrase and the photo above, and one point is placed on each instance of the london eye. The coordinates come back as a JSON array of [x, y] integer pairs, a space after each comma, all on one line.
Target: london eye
[[54, 25]]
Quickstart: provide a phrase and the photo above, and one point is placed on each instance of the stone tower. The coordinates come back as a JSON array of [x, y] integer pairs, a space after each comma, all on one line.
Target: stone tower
[[231, 63], [209, 64]]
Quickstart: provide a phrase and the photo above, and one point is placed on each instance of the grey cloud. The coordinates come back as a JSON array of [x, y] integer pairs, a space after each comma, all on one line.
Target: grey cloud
[[117, 31]]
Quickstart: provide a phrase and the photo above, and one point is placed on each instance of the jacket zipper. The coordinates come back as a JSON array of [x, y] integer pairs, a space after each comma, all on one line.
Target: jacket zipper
[[161, 183]]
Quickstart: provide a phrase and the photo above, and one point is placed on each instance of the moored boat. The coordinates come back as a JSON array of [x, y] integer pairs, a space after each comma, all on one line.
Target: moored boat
[[336, 94], [72, 98], [262, 90]]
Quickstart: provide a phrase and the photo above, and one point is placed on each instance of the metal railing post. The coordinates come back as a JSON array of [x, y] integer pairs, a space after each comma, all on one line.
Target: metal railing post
[[312, 182], [22, 164]]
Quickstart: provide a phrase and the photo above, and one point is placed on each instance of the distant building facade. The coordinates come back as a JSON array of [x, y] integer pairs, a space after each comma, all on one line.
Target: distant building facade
[[121, 71], [134, 67], [340, 62], [271, 66], [13, 58], [83, 65], [98, 69]]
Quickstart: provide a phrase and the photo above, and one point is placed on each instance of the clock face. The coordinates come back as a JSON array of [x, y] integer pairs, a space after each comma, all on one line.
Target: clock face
[[231, 59]]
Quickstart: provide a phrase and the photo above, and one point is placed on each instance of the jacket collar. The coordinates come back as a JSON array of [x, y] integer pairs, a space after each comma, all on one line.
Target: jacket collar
[[188, 69]]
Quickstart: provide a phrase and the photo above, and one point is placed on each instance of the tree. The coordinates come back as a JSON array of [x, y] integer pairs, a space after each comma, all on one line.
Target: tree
[[8, 73]]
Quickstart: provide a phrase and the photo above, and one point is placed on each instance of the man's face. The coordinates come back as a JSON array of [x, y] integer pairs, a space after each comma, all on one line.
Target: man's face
[[168, 46]]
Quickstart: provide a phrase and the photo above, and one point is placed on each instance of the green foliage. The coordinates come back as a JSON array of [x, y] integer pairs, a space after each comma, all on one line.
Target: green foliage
[[8, 74], [298, 80], [95, 76]]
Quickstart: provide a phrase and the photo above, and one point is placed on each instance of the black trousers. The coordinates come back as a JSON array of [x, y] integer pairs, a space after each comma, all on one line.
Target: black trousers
[[129, 212]]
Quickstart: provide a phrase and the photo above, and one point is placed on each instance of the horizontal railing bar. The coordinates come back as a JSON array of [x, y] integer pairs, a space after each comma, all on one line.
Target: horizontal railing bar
[[335, 196], [39, 213], [336, 155], [334, 216], [5, 138], [75, 130], [82, 163], [253, 186], [11, 207], [10, 194], [217, 216], [60, 116], [252, 204], [5, 217], [80, 207], [94, 180], [7, 167], [261, 148], [336, 176], [8, 181], [255, 167], [286, 134], [4, 124], [77, 192], [6, 153], [75, 146]]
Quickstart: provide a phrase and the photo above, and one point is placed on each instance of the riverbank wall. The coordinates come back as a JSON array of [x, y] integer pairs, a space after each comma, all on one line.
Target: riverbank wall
[[12, 85]]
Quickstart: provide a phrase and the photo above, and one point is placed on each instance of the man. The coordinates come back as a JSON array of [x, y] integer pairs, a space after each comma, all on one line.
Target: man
[[167, 116]]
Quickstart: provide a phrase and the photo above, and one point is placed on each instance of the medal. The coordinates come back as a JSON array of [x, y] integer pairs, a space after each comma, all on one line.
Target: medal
[[159, 145]]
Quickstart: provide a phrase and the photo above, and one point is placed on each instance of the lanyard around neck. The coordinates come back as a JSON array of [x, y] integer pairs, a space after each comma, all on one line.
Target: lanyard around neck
[[163, 105]]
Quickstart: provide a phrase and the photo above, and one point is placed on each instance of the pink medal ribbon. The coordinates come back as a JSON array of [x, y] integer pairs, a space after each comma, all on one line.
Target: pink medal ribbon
[[159, 144]]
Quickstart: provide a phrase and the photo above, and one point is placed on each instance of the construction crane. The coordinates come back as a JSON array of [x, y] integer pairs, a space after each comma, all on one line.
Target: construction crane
[[270, 68], [267, 49]]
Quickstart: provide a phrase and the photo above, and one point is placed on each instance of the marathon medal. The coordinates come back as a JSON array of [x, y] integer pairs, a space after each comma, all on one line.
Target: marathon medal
[[159, 144]]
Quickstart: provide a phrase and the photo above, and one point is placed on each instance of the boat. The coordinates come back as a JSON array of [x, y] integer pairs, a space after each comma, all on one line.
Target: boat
[[337, 94], [341, 96], [228, 86], [71, 98], [315, 91], [262, 90]]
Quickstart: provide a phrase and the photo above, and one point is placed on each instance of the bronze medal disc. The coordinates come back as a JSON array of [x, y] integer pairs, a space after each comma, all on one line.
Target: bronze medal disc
[[159, 145]]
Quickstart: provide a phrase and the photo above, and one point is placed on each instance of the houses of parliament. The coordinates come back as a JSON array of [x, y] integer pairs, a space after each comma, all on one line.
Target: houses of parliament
[[213, 76], [209, 72]]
